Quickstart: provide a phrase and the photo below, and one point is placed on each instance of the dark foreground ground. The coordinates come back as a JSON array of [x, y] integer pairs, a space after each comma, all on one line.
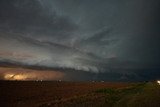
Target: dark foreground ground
[[78, 94]]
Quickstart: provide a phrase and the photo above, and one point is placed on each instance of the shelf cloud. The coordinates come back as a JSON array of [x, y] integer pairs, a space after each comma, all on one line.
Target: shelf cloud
[[110, 38]]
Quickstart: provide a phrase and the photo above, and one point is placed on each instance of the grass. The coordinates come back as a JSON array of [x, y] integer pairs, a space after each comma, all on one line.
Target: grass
[[136, 95]]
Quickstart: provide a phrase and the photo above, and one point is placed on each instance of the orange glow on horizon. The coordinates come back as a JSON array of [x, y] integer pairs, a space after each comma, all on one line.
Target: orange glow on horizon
[[29, 74]]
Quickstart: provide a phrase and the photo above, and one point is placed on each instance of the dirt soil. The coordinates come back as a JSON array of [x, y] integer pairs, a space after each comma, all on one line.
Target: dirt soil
[[47, 93]]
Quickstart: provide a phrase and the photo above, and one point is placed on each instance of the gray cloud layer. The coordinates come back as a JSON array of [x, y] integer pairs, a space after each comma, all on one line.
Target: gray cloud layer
[[90, 35]]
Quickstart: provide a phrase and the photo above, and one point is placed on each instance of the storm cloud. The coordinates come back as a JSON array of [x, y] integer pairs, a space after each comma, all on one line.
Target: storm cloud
[[118, 39]]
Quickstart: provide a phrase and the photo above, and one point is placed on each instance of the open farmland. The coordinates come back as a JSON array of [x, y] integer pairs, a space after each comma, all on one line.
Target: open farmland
[[78, 94]]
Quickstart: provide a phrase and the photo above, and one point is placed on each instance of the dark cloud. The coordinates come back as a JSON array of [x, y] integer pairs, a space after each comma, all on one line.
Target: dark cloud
[[33, 52], [30, 18], [119, 38]]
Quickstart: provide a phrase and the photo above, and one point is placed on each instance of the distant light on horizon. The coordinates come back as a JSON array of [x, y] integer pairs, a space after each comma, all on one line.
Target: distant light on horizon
[[158, 81]]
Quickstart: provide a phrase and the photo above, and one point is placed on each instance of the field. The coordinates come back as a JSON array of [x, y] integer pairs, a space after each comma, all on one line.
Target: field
[[78, 94]]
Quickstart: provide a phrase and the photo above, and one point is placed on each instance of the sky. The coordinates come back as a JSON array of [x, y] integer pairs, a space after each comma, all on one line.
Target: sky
[[112, 40]]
